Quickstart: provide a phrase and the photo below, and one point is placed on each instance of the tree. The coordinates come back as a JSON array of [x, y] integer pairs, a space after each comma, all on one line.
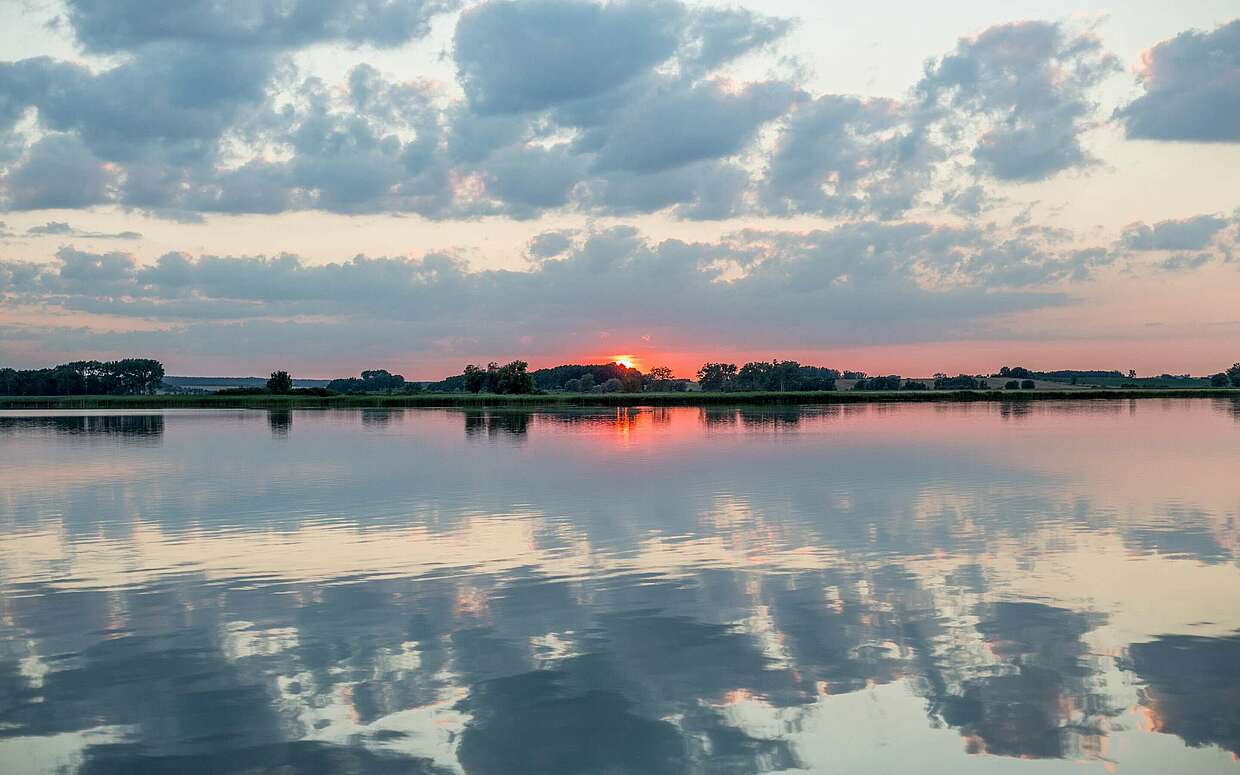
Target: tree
[[613, 385], [1011, 384], [631, 380], [959, 382], [280, 382], [372, 381], [1028, 384], [1234, 374], [573, 386], [658, 378], [475, 378], [754, 376], [382, 380], [587, 383], [879, 383], [513, 379], [910, 385], [1019, 372], [127, 376], [717, 377], [1220, 380], [138, 375]]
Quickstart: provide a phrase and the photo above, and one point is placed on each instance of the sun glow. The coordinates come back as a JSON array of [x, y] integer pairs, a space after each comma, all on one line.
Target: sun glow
[[627, 361]]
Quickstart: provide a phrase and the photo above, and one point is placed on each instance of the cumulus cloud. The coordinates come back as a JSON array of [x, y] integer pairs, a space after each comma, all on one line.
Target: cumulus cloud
[[868, 281], [1187, 234], [58, 172], [514, 57], [605, 108], [679, 124], [717, 36], [193, 85], [1183, 262], [708, 190], [1025, 89], [1192, 89], [178, 97], [118, 25], [840, 155]]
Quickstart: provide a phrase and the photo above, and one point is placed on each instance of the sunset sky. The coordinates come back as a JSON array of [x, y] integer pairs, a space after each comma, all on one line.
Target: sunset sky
[[235, 186]]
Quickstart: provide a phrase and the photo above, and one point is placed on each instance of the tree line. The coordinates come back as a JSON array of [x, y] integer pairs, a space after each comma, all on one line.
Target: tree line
[[1229, 378], [128, 376], [138, 376], [1223, 379], [764, 376]]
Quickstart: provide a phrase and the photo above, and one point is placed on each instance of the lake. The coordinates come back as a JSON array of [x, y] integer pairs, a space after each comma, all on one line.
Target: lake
[[939, 588]]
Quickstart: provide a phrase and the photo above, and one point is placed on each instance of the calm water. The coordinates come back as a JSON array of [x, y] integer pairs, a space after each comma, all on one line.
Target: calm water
[[911, 588]]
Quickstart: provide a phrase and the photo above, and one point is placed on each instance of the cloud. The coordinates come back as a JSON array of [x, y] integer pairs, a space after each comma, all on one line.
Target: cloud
[[550, 244], [677, 124], [62, 229], [607, 109], [719, 35], [20, 277], [1188, 234], [1185, 262], [177, 98], [58, 172], [1025, 90], [540, 54], [856, 283], [843, 155], [702, 191], [191, 91], [119, 25], [536, 54], [94, 274], [1192, 89]]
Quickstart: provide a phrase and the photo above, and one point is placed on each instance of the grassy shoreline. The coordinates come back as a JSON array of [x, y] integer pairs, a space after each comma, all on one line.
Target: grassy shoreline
[[554, 400]]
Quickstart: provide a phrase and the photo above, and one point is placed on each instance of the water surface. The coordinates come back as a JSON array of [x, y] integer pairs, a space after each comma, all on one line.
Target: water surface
[[949, 588]]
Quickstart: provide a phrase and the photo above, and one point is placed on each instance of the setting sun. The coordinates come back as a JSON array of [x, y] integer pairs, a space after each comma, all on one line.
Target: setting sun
[[627, 361]]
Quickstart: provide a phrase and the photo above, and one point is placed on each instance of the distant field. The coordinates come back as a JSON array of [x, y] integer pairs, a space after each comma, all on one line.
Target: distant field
[[591, 399]]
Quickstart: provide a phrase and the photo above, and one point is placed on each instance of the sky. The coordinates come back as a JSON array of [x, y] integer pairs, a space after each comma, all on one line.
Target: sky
[[325, 186]]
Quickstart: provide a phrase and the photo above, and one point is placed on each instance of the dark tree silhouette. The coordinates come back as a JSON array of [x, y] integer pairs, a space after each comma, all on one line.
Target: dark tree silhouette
[[280, 382], [129, 376]]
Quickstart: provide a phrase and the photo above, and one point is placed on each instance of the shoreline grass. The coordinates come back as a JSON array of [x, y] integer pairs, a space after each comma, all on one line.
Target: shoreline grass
[[552, 400]]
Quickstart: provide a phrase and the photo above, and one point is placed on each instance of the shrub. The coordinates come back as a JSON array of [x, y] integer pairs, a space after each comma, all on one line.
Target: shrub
[[1028, 384], [1011, 384]]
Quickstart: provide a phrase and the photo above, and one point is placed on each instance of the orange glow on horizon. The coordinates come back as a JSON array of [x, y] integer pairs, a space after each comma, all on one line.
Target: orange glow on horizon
[[627, 361]]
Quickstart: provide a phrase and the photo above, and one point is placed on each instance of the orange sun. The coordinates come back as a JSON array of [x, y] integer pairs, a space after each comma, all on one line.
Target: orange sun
[[627, 361]]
